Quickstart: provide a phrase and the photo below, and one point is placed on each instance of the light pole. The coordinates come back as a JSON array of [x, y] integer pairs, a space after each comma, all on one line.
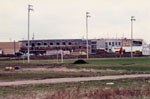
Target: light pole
[[87, 16], [29, 9], [132, 19]]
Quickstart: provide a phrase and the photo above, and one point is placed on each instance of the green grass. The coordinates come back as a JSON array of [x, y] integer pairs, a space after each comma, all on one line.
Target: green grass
[[128, 64], [42, 75], [141, 60], [138, 60], [127, 83]]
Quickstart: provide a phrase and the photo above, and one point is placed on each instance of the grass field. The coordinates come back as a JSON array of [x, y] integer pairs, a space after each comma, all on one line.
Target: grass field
[[121, 89], [47, 75], [139, 60], [95, 67], [128, 64]]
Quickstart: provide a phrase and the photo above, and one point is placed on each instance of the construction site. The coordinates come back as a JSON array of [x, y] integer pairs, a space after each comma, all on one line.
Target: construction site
[[80, 49], [76, 47]]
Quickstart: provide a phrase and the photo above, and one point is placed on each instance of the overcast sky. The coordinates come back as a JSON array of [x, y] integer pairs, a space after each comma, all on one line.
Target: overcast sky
[[65, 19]]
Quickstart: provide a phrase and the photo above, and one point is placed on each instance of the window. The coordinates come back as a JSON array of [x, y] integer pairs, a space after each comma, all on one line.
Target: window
[[109, 43], [119, 43], [26, 44], [57, 43], [112, 43], [51, 43], [38, 44], [69, 43], [137, 43], [93, 42], [116, 43], [45, 43], [33, 44], [64, 43], [106, 44], [93, 46]]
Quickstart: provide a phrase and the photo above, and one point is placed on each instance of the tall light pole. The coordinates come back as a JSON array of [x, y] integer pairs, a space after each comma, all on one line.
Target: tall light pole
[[87, 52], [29, 9], [132, 19]]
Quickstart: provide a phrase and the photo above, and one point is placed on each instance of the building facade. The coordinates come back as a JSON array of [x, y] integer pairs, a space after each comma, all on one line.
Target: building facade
[[114, 45], [72, 46], [10, 47], [78, 46]]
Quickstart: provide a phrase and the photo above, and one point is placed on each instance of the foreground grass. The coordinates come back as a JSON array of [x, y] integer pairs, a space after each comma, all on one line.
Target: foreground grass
[[121, 89]]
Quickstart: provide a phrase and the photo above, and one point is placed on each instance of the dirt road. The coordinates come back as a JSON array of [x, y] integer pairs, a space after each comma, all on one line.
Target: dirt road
[[78, 79]]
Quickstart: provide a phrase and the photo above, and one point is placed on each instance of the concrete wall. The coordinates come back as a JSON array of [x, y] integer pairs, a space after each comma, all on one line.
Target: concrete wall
[[75, 45], [108, 44], [46, 43]]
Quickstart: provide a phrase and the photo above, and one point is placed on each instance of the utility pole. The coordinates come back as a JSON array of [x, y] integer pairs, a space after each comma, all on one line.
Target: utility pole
[[87, 52], [14, 47], [29, 9], [62, 60], [132, 19]]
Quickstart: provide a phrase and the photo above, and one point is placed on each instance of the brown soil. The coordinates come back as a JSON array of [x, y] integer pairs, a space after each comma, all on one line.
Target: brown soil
[[77, 79]]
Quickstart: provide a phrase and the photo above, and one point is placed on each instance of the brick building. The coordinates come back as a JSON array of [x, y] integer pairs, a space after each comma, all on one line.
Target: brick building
[[9, 47]]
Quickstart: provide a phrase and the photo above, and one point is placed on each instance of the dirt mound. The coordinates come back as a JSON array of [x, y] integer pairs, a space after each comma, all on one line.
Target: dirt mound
[[80, 62]]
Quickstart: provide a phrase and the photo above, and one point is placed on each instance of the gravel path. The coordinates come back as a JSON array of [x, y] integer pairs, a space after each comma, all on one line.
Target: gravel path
[[77, 79]]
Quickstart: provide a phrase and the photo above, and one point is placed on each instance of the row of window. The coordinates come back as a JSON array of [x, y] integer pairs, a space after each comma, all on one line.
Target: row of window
[[45, 44], [69, 43], [112, 43]]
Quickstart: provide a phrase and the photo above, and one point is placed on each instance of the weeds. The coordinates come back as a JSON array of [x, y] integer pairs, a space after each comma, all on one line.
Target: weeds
[[78, 93], [126, 68]]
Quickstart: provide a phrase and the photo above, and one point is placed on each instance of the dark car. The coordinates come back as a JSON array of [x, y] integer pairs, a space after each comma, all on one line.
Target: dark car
[[18, 53]]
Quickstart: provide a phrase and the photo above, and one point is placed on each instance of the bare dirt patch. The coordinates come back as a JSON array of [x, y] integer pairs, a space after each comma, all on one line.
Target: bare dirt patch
[[67, 80], [64, 69]]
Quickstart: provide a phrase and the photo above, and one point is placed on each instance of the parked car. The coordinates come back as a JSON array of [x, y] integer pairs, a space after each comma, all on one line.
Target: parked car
[[18, 53]]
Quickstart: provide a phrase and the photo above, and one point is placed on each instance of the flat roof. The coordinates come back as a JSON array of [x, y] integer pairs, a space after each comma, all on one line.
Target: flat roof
[[52, 40]]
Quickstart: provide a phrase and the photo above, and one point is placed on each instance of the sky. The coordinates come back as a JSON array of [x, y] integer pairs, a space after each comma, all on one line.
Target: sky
[[66, 19]]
